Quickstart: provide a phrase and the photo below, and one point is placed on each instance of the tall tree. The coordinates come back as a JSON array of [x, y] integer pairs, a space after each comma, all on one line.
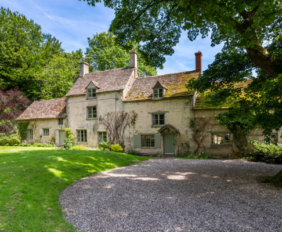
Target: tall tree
[[58, 75], [28, 59], [104, 53], [156, 26], [12, 104]]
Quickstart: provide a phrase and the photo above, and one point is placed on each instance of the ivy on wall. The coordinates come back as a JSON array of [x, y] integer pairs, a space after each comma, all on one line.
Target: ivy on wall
[[22, 129]]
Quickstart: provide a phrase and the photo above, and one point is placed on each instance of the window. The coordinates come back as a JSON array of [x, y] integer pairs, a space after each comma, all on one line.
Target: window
[[158, 119], [102, 137], [221, 138], [46, 132], [61, 121], [82, 136], [158, 93], [91, 93], [148, 141], [29, 134], [91, 111], [273, 139]]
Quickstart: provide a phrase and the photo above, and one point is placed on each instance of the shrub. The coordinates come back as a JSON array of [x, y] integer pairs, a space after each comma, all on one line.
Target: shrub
[[4, 140], [69, 140], [53, 140], [14, 141], [133, 152], [79, 148], [36, 144], [116, 148], [104, 145], [268, 153]]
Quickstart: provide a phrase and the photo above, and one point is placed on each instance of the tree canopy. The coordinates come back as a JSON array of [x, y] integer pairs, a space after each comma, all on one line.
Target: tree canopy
[[12, 104], [156, 26], [27, 55], [105, 53]]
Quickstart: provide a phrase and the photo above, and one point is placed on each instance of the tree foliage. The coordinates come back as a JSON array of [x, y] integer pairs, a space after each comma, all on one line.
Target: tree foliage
[[156, 26], [28, 58], [104, 53], [12, 104]]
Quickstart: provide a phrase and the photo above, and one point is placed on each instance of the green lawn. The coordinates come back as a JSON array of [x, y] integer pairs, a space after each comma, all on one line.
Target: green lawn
[[31, 180]]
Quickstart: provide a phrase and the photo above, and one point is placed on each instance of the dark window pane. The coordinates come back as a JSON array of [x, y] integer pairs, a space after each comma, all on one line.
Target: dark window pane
[[162, 119], [160, 92]]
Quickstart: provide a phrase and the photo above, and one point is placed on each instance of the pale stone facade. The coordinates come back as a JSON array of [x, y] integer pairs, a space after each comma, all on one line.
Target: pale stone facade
[[163, 116]]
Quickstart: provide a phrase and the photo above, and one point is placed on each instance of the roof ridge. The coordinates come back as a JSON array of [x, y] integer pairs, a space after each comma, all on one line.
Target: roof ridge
[[105, 71], [167, 74], [51, 99]]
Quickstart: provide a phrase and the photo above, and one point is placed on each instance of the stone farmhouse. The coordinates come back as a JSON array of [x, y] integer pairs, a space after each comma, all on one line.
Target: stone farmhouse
[[162, 106]]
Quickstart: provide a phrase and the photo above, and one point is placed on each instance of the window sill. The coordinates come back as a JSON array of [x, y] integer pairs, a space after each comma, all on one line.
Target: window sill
[[91, 118], [157, 126], [215, 145], [90, 98], [147, 147]]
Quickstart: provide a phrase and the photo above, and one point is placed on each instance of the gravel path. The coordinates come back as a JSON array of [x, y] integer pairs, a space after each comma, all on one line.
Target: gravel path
[[176, 195]]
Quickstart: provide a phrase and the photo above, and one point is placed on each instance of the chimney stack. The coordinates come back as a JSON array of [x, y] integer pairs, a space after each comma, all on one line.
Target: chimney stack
[[84, 68], [198, 56], [133, 62]]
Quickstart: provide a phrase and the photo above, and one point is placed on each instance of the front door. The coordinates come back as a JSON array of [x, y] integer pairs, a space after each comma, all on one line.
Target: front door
[[62, 136], [169, 144]]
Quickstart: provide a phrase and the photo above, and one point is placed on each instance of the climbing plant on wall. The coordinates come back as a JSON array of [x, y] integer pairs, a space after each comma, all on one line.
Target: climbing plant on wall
[[22, 129]]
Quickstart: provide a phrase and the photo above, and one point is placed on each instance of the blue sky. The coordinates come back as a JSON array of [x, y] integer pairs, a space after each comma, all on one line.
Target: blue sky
[[72, 21]]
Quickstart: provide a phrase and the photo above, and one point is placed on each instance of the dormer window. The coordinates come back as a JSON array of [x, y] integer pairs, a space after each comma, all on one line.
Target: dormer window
[[91, 93], [158, 93]]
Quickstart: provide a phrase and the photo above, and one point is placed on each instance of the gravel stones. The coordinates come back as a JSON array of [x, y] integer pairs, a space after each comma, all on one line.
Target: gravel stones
[[176, 195]]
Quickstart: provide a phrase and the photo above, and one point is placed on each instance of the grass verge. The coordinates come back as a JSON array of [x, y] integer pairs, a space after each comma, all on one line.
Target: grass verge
[[32, 179]]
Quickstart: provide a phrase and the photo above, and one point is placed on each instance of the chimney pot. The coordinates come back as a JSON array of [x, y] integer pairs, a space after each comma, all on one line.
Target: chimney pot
[[133, 62], [84, 68], [198, 58]]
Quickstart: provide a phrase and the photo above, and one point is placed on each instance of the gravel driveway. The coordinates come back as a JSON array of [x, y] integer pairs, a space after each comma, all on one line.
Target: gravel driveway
[[176, 195]]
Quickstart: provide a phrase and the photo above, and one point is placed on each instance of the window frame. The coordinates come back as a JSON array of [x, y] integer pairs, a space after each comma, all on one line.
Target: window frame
[[150, 142], [156, 91], [102, 136], [44, 130], [92, 93], [158, 119], [60, 121], [79, 132], [87, 111], [223, 135], [30, 130]]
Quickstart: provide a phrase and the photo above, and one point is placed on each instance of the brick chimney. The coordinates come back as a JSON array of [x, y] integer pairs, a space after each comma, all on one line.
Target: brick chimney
[[133, 62], [198, 56], [84, 68]]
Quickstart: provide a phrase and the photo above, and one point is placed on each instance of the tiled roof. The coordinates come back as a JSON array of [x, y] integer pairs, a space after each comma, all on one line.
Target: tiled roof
[[200, 99], [55, 108], [174, 83], [110, 80]]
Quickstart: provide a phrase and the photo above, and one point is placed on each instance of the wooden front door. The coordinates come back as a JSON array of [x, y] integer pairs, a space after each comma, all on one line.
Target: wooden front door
[[62, 136], [169, 144]]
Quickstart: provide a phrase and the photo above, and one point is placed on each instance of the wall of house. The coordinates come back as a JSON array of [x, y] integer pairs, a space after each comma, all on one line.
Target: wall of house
[[77, 114], [224, 150], [177, 113], [37, 125]]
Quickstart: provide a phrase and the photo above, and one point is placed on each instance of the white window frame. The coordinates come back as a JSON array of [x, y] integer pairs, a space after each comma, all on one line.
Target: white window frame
[[221, 138], [158, 120], [81, 136], [93, 114], [60, 121], [46, 132], [151, 141], [158, 93], [101, 136], [91, 93], [28, 133]]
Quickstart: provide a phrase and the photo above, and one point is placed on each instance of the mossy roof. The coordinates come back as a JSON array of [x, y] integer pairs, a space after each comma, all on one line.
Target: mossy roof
[[200, 99], [174, 83]]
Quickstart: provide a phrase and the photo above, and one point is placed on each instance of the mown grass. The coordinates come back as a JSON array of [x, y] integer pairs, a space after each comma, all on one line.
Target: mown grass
[[31, 180]]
